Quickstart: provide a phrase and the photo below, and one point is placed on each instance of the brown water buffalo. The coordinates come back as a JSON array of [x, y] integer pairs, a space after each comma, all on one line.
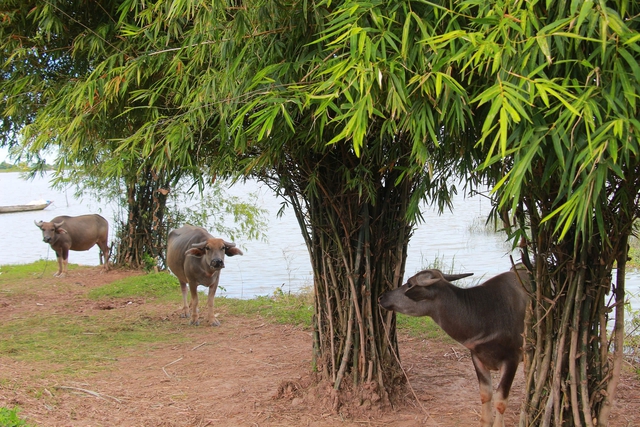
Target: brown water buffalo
[[76, 233], [196, 257], [487, 319]]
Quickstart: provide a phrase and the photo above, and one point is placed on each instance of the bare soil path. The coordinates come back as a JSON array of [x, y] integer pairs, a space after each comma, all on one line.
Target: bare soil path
[[247, 372]]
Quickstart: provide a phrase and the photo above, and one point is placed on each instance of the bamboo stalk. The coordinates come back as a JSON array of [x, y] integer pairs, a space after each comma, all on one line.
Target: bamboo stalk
[[347, 349], [573, 350], [331, 330], [553, 401], [584, 379], [544, 347], [618, 337]]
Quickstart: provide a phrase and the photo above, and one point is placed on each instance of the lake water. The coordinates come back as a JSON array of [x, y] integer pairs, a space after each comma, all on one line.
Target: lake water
[[458, 240]]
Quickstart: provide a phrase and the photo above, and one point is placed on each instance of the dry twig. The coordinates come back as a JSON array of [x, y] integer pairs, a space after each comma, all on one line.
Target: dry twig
[[84, 390], [169, 364]]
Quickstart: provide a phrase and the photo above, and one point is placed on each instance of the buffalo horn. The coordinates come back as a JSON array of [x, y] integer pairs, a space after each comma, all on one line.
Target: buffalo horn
[[452, 277]]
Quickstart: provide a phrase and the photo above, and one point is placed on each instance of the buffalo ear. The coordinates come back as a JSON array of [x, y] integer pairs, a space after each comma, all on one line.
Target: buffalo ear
[[195, 252], [61, 230], [231, 251], [420, 293]]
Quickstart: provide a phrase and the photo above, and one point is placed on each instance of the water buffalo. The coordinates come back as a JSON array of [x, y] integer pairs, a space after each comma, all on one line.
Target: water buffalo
[[75, 233], [196, 257], [487, 319]]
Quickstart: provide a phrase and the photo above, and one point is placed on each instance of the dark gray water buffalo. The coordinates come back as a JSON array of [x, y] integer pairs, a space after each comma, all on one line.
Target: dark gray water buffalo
[[76, 233], [487, 319], [196, 257]]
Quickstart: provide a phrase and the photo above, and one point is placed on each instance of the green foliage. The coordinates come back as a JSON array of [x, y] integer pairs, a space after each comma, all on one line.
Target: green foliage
[[154, 285], [10, 418], [219, 212], [149, 263]]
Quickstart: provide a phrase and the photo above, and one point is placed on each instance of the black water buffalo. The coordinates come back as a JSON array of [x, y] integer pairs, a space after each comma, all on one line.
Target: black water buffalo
[[487, 319], [196, 257], [76, 233]]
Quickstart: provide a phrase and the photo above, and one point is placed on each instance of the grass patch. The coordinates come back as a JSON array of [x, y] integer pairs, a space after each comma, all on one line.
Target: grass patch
[[78, 342], [161, 285], [10, 273], [423, 327], [293, 309], [10, 418]]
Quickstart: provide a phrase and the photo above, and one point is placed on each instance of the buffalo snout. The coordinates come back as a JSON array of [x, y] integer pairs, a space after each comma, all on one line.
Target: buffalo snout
[[217, 263], [385, 301]]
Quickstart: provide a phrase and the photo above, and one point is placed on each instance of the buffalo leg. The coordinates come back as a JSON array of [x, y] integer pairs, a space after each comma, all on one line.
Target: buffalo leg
[[211, 318], [193, 288], [63, 258], [509, 369], [104, 255], [59, 259], [65, 261], [486, 390], [185, 306]]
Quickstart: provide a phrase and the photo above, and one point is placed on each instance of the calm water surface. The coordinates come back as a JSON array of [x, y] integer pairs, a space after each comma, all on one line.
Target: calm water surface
[[458, 240]]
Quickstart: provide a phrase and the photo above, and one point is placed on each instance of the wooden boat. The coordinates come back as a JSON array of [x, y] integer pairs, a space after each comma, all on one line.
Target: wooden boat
[[33, 206]]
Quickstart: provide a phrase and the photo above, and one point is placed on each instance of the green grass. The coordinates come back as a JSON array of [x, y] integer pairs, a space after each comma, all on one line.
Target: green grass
[[294, 309], [422, 327], [43, 268], [162, 286], [10, 418], [78, 342]]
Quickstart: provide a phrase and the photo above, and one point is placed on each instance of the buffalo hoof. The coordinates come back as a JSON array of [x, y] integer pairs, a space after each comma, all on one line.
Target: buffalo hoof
[[195, 323], [215, 322], [185, 315]]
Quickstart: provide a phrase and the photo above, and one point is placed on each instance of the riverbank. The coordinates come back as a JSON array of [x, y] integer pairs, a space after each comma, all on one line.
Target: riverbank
[[77, 354]]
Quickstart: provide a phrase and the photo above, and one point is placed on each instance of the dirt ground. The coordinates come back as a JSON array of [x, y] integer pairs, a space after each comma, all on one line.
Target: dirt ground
[[247, 372]]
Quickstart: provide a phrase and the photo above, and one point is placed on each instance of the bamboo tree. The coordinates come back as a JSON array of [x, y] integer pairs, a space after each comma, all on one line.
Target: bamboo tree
[[555, 87]]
